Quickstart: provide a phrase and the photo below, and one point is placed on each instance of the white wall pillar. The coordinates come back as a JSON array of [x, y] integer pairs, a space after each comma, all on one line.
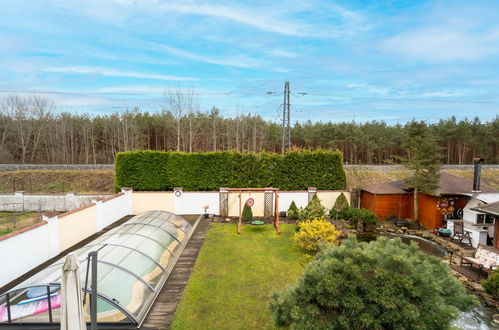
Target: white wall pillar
[[53, 234], [71, 201], [100, 221], [19, 201], [128, 198]]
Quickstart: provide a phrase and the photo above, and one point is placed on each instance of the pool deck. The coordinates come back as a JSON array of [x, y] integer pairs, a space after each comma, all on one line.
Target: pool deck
[[161, 314]]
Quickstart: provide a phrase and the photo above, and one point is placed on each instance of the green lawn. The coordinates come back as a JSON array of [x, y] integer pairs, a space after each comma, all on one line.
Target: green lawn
[[234, 276]]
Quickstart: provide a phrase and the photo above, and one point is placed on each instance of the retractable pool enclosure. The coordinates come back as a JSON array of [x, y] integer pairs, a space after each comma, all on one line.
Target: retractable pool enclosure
[[134, 260]]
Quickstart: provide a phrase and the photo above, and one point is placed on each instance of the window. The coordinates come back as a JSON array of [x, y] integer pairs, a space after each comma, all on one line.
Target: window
[[484, 218]]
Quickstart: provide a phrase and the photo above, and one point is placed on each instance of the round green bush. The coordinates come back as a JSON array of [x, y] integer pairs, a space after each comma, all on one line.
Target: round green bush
[[384, 284], [491, 285], [355, 215]]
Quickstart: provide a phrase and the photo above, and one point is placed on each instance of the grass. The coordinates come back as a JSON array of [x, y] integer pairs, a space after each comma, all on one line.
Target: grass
[[490, 177], [22, 220], [358, 178], [57, 181], [6, 231], [235, 275]]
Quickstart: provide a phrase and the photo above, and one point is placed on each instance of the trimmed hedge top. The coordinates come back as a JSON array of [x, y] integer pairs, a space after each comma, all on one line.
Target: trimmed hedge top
[[295, 170]]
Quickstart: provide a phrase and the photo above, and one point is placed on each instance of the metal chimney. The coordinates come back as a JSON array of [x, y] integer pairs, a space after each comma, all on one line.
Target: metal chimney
[[477, 174]]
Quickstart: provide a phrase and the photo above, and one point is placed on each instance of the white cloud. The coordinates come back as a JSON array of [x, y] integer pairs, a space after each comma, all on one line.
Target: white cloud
[[283, 53], [235, 61], [114, 73], [245, 16], [446, 42]]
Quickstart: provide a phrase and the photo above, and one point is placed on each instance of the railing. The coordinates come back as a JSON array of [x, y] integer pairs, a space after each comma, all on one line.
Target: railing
[[13, 218]]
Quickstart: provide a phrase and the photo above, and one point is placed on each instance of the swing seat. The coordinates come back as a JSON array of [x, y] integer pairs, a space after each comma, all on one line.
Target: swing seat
[[257, 222]]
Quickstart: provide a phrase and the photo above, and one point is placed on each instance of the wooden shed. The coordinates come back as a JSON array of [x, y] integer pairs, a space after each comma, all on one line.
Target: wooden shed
[[396, 199], [387, 199]]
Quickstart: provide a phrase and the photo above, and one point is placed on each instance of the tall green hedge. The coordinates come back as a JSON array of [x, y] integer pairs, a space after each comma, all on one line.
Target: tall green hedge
[[296, 170]]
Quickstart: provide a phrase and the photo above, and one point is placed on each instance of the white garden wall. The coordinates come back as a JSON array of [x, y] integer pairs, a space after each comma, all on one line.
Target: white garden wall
[[287, 197], [23, 250], [191, 202], [21, 201]]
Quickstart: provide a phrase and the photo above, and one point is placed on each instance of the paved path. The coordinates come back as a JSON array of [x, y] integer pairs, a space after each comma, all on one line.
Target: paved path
[[161, 314]]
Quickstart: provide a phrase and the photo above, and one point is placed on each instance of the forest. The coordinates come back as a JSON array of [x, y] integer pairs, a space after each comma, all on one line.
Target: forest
[[33, 130]]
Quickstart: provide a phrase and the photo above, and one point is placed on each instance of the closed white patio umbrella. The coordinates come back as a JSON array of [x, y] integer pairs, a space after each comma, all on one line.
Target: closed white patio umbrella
[[72, 316]]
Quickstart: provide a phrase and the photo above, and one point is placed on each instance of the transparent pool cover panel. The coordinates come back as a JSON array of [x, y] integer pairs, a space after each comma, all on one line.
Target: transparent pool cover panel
[[132, 261]]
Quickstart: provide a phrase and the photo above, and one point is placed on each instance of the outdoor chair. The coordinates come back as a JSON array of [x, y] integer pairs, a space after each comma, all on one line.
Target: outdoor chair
[[460, 234], [486, 258]]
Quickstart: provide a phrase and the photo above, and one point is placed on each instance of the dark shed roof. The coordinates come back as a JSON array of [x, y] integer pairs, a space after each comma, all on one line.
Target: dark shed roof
[[387, 188], [449, 185], [492, 208]]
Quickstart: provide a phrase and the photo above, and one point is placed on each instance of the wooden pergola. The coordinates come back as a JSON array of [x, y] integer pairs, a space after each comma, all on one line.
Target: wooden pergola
[[276, 207]]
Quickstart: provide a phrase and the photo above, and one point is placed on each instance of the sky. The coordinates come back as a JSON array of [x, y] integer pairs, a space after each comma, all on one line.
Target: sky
[[345, 60]]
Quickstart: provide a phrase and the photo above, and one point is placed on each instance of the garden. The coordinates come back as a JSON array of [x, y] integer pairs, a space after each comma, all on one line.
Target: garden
[[315, 275]]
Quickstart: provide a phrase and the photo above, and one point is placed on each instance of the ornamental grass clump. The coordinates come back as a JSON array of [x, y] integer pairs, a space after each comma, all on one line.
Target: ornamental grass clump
[[384, 284], [316, 234]]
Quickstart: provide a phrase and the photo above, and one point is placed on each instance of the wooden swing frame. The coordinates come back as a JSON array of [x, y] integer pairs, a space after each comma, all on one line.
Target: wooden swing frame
[[250, 190]]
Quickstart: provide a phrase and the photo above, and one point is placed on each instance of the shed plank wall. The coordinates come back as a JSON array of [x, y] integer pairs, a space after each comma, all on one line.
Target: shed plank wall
[[429, 216], [368, 201], [385, 206]]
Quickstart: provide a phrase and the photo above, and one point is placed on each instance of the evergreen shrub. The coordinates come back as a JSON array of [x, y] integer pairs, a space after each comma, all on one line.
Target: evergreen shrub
[[339, 205], [355, 215], [314, 210], [491, 285], [293, 211], [384, 284], [315, 234], [164, 170], [247, 214]]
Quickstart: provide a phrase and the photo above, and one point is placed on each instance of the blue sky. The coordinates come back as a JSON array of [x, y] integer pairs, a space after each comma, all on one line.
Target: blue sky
[[361, 60]]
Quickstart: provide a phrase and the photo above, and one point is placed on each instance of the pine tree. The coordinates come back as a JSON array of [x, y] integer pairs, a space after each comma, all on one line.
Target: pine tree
[[384, 284], [423, 160]]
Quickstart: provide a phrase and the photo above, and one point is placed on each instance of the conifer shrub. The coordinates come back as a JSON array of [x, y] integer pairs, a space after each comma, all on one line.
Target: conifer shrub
[[339, 205], [315, 234], [293, 211], [247, 214], [384, 284], [491, 285], [354, 215], [313, 210]]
